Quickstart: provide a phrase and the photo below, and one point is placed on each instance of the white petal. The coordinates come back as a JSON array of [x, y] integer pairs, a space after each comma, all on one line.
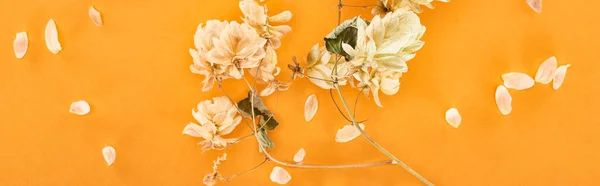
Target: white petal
[[310, 107], [95, 16], [536, 5], [109, 154], [517, 80], [282, 17], [280, 175], [503, 100], [299, 156], [347, 133], [453, 117], [80, 108], [52, 37], [545, 72], [559, 76], [21, 44]]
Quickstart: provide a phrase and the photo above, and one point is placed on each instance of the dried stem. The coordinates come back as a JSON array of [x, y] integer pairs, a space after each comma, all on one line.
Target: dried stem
[[359, 6], [228, 179]]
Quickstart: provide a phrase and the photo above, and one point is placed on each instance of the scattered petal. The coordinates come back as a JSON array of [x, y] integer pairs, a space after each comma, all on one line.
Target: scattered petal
[[348, 133], [453, 117], [310, 107], [517, 80], [109, 154], [21, 44], [559, 76], [80, 108], [503, 100], [52, 37], [546, 71], [536, 5], [95, 16], [299, 156], [280, 175]]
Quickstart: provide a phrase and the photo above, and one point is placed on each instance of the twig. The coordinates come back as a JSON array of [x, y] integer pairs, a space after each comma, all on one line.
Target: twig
[[390, 155], [359, 6], [228, 179], [336, 105], [234, 103]]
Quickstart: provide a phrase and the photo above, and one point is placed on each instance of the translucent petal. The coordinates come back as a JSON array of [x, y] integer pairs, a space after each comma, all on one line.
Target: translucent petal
[[503, 100], [95, 16], [517, 80], [348, 133], [299, 156], [310, 107], [545, 72], [52, 37], [453, 117], [109, 154], [559, 76], [20, 44], [80, 108], [280, 175], [536, 5]]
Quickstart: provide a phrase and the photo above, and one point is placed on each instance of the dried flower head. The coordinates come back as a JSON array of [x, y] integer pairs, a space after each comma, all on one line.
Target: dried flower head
[[321, 66], [256, 16], [238, 47], [217, 117], [382, 50]]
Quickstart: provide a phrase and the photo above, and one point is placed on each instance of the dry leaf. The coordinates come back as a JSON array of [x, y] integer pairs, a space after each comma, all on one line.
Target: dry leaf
[[80, 108], [536, 5], [517, 80], [52, 37], [95, 16], [503, 100], [545, 72], [280, 175], [109, 154], [348, 133], [21, 44], [310, 107], [299, 156], [559, 76], [453, 117]]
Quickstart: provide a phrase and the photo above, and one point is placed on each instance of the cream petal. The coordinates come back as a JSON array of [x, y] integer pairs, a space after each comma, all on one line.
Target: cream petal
[[545, 72], [536, 5], [299, 156], [80, 108], [559, 76], [51, 35], [310, 107], [280, 175], [20, 44], [194, 130], [348, 133], [517, 80], [95, 16], [282, 17], [453, 117], [313, 56], [503, 100], [109, 154]]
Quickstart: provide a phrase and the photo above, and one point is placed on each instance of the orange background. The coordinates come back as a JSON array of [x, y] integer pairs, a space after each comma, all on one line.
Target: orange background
[[134, 73]]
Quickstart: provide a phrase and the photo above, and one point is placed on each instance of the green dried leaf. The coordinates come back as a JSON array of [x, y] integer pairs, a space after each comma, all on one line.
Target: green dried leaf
[[344, 33], [259, 110], [265, 140]]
